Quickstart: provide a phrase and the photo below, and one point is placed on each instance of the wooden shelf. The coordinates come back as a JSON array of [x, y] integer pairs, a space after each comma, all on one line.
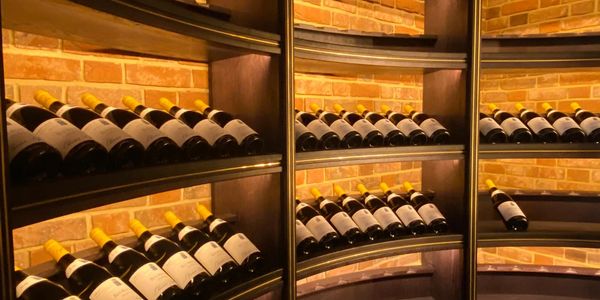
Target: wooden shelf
[[331, 158], [63, 196], [540, 233], [253, 288], [559, 150]]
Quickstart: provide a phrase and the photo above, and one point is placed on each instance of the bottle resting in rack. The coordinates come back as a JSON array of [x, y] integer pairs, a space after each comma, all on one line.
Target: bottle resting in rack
[[372, 137], [80, 154], [328, 139], [87, 279], [350, 138], [124, 152], [132, 266], [248, 140], [491, 132], [306, 243], [338, 218], [436, 132], [427, 210], [31, 287], [316, 224], [305, 140], [223, 144], [566, 127], [210, 254], [588, 121], [385, 216], [159, 149], [540, 127], [511, 214], [515, 129], [392, 135], [361, 216], [404, 210], [415, 135]]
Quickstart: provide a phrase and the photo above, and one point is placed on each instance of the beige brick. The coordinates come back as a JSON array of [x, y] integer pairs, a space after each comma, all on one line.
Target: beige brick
[[34, 41], [581, 22], [576, 255], [27, 91], [165, 197], [548, 13], [200, 78], [197, 192], [141, 201], [414, 6], [547, 94], [39, 256], [342, 20], [518, 83], [519, 6], [516, 254], [550, 27], [547, 80], [498, 23], [579, 78], [552, 173], [187, 98], [112, 223], [517, 20], [313, 87], [546, 3], [311, 14], [110, 96], [364, 90], [100, 71], [300, 178], [365, 24], [340, 5], [58, 229], [21, 66], [579, 92], [578, 175], [154, 216], [539, 259], [315, 176], [341, 89], [152, 97], [581, 8], [157, 75], [492, 12]]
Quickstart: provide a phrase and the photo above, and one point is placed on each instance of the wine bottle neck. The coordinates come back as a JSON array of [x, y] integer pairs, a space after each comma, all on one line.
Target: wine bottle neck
[[138, 109], [100, 108], [20, 275], [109, 246], [174, 109], [55, 106], [145, 236], [65, 261], [179, 226]]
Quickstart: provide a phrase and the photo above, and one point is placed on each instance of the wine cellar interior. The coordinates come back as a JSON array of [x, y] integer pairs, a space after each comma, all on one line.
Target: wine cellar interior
[[259, 60]]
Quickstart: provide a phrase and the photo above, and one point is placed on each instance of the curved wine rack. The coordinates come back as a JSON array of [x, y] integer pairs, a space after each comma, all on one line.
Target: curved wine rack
[[559, 150]]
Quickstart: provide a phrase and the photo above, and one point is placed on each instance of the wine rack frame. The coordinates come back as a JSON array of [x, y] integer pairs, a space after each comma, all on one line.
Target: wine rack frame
[[240, 42]]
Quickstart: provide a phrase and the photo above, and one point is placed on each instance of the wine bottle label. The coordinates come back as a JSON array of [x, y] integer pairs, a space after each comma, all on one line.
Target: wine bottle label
[[385, 126], [407, 126], [105, 133], [415, 195], [364, 219], [152, 240], [511, 124], [72, 298], [299, 129], [300, 206], [325, 202], [537, 124], [509, 210], [240, 247], [27, 283], [212, 257], [182, 268], [116, 252], [215, 223], [319, 227], [19, 138], [318, 128], [342, 222], [590, 124], [213, 112], [13, 108], [429, 212], [385, 216], [348, 199], [143, 132], [563, 124], [496, 192], [302, 233], [177, 131], [239, 130], [209, 130], [106, 111], [114, 289], [363, 127], [341, 127], [487, 124], [61, 135], [183, 232], [407, 214], [430, 126], [151, 281], [146, 111], [75, 265], [370, 198]]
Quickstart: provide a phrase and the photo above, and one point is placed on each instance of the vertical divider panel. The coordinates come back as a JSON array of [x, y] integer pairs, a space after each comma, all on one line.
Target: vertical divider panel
[[444, 97], [447, 275], [448, 21]]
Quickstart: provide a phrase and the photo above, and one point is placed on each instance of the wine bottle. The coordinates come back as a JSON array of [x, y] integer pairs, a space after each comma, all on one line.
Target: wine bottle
[[427, 210], [306, 243], [123, 151], [350, 138], [404, 210], [305, 140], [391, 133], [317, 225], [511, 214], [566, 127], [588, 121], [328, 139], [544, 132], [338, 218], [436, 132], [491, 131], [183, 268], [31, 287], [237, 244], [159, 148], [132, 266], [383, 214], [416, 136], [87, 279], [361, 216], [30, 158], [248, 140], [80, 154], [210, 254], [515, 129], [194, 146], [371, 136], [223, 144]]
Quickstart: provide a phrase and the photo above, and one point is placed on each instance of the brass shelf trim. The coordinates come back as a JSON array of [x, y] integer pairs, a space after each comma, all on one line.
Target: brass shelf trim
[[378, 156], [345, 54]]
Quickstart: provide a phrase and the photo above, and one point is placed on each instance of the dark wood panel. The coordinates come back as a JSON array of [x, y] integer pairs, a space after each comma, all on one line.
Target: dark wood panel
[[445, 99], [448, 20], [257, 14], [447, 279], [560, 150], [447, 179]]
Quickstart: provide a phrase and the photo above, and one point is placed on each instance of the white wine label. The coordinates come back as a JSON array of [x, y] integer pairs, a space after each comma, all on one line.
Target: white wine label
[[363, 127], [72, 298], [325, 202], [61, 135], [487, 124], [385, 216], [318, 128], [511, 124], [151, 281], [364, 219], [114, 289], [342, 222], [302, 233], [563, 124], [184, 231], [215, 223], [348, 199], [182, 268], [75, 265], [209, 130], [105, 133], [212, 257], [143, 132], [299, 129], [370, 198], [19, 138], [300, 206], [213, 112], [590, 124], [180, 112], [407, 214], [26, 283], [13, 108], [64, 109], [341, 127], [116, 252], [106, 111], [177, 131], [429, 212], [152, 240], [537, 124], [509, 210], [239, 130], [385, 126], [407, 126], [496, 192], [415, 195], [430, 126], [240, 247], [146, 111], [319, 227]]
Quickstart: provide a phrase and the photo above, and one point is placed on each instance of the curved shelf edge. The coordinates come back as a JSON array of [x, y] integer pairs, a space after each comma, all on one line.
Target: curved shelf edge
[[338, 258], [70, 195], [582, 150], [549, 270], [540, 238], [254, 287]]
